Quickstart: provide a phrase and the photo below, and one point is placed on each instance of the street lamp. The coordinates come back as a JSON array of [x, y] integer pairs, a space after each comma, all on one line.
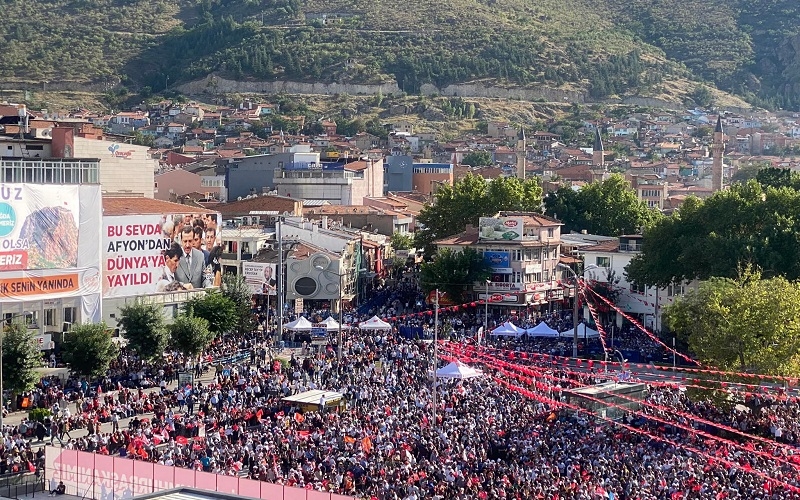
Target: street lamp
[[341, 289], [575, 306], [2, 337], [486, 311]]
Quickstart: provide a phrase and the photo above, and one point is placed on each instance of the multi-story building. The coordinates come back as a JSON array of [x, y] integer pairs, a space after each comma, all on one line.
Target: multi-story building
[[523, 250], [341, 183], [607, 261]]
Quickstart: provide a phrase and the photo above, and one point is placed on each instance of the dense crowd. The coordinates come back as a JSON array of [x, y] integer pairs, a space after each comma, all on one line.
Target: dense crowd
[[487, 440]]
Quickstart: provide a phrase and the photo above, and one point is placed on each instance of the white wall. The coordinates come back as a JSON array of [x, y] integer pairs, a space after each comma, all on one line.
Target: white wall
[[129, 169]]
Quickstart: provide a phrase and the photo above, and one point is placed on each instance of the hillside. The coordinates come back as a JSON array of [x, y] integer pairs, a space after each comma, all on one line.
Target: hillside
[[601, 47]]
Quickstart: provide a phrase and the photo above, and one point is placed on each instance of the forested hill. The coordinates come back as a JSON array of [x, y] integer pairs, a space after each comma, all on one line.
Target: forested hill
[[604, 47]]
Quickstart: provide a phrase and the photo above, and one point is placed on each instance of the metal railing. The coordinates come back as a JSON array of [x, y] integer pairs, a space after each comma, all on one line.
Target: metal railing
[[21, 484]]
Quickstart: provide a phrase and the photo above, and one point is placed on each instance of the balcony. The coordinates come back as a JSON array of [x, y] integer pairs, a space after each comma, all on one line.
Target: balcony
[[630, 247]]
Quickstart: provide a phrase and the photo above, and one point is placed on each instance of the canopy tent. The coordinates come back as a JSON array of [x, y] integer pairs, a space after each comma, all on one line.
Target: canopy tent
[[375, 323], [508, 329], [300, 323], [331, 323], [542, 330], [458, 370], [583, 332]]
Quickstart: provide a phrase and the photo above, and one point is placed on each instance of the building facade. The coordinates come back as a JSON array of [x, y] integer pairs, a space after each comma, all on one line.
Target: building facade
[[523, 251], [607, 261]]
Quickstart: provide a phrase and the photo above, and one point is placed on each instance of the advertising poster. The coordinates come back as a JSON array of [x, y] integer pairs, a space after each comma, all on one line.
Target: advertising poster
[[499, 262], [38, 227], [261, 276], [500, 228], [48, 243], [139, 257]]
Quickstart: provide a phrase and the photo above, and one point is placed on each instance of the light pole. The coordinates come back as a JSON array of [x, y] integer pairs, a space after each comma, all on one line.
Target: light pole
[[341, 292], [575, 307], [486, 311], [435, 353], [2, 337]]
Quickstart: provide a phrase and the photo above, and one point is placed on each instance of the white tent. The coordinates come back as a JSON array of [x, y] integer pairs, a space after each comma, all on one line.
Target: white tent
[[375, 323], [583, 332], [542, 330], [331, 323], [457, 369], [300, 323], [508, 329]]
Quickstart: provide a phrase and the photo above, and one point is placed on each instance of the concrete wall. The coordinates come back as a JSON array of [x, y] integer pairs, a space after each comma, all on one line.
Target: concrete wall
[[124, 168], [399, 173], [254, 172]]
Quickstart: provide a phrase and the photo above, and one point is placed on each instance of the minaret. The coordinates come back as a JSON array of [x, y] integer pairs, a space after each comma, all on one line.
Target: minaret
[[598, 153], [521, 151], [717, 148]]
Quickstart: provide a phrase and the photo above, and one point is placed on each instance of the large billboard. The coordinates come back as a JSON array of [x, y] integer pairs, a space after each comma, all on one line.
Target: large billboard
[[500, 228], [261, 276], [48, 244], [138, 257], [499, 262]]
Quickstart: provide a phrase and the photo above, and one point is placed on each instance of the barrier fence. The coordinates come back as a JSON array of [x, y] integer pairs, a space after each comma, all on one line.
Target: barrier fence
[[103, 477]]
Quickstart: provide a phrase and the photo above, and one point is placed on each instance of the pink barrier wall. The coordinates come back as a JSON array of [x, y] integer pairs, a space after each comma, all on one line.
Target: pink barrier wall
[[101, 477]]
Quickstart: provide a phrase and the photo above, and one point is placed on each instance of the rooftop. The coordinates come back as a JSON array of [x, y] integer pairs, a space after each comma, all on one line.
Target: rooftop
[[139, 205]]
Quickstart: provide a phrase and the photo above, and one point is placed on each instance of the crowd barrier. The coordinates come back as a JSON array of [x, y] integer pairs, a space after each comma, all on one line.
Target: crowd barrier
[[102, 477]]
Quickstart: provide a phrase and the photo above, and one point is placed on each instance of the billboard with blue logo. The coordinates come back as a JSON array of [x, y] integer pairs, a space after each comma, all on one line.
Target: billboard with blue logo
[[500, 262], [49, 245]]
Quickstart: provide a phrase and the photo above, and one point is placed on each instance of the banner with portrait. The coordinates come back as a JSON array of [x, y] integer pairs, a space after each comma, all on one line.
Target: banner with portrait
[[262, 277]]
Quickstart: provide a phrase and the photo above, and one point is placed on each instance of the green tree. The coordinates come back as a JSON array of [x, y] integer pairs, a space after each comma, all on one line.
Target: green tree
[[769, 176], [189, 335], [21, 358], [471, 198], [401, 241], [744, 225], [477, 159], [235, 288], [88, 349], [219, 311], [609, 208], [453, 272], [743, 324], [143, 327]]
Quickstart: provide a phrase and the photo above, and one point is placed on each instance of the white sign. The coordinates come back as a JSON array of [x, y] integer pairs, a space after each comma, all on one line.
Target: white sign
[[43, 341], [134, 246], [261, 277], [500, 228]]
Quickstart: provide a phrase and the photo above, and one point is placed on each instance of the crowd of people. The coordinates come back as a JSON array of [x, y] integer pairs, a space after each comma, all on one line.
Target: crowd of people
[[385, 440]]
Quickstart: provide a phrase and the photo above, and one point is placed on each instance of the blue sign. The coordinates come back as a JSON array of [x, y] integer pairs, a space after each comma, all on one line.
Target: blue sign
[[305, 165], [8, 219], [500, 262]]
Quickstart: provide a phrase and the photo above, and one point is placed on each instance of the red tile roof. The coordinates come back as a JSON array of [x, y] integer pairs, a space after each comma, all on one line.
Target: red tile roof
[[138, 205]]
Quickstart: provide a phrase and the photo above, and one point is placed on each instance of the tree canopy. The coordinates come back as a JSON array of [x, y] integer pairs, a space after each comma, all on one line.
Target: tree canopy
[[477, 159], [189, 335], [143, 325], [471, 198], [219, 311], [21, 358], [88, 349], [453, 272], [609, 208], [745, 225], [235, 288], [743, 324]]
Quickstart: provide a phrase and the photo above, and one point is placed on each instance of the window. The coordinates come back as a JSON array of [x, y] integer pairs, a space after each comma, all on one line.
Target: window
[[517, 277], [603, 261], [550, 232], [49, 317], [676, 290], [640, 289], [70, 314]]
